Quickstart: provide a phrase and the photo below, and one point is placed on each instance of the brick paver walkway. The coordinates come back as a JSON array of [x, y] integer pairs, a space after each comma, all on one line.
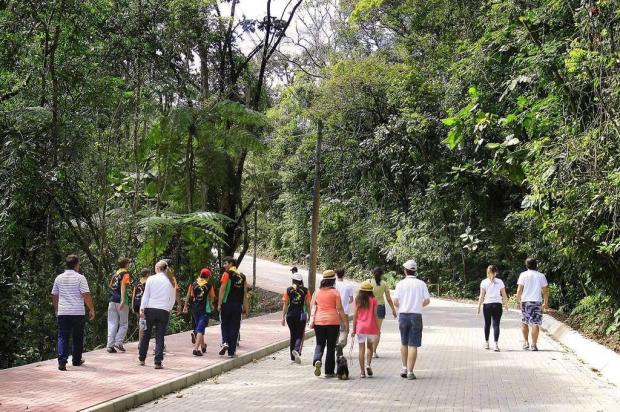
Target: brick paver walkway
[[41, 387], [454, 374]]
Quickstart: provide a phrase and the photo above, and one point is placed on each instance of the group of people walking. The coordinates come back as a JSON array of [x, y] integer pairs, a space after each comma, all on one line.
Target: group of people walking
[[152, 299], [532, 295], [328, 311]]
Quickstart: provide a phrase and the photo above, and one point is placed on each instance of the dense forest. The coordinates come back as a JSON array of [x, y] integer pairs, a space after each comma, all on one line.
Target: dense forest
[[461, 133]]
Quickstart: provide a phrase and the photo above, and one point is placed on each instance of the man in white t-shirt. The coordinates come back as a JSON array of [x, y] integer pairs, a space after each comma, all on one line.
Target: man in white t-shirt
[[410, 296], [346, 290], [533, 297]]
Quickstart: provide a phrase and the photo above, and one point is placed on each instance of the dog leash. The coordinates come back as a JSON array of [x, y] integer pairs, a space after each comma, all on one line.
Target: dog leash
[[351, 350]]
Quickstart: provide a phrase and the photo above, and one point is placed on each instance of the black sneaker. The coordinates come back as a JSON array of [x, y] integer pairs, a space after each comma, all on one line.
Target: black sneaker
[[204, 348], [62, 366], [120, 347], [140, 362], [534, 348], [111, 349], [196, 353], [159, 366], [368, 371], [193, 338], [80, 363], [403, 373], [411, 376], [223, 349]]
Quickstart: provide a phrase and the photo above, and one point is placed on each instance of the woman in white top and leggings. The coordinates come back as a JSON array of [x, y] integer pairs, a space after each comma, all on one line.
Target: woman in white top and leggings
[[157, 302], [492, 293]]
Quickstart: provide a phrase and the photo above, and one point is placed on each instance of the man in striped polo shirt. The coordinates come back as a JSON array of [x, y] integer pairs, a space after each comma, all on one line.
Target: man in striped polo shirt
[[69, 294]]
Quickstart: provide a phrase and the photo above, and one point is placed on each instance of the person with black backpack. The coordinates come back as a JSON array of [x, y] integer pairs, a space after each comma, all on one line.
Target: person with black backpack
[[202, 294], [118, 308], [295, 313], [232, 304], [136, 297]]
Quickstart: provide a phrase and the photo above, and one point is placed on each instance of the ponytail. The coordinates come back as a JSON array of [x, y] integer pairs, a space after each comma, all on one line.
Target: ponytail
[[162, 266], [491, 273], [378, 273], [170, 277]]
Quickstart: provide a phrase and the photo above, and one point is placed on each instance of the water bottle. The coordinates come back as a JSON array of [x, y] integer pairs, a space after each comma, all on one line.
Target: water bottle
[[142, 324]]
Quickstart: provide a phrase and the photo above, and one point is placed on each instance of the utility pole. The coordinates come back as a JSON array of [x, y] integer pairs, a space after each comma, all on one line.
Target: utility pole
[[255, 237], [315, 209]]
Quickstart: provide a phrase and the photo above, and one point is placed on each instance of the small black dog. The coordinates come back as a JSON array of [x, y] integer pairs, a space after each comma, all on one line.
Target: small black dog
[[342, 366]]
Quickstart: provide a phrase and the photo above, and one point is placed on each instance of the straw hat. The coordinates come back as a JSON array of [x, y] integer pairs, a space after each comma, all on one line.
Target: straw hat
[[329, 274], [366, 286]]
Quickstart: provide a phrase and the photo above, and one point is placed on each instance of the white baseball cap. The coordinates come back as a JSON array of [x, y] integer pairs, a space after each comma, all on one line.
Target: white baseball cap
[[297, 276], [410, 265]]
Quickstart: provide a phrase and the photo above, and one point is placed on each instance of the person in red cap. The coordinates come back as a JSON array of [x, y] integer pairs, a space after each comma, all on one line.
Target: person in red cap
[[201, 293]]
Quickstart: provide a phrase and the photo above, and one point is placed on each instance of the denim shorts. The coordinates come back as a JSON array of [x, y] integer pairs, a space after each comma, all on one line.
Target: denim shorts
[[410, 326], [531, 313], [202, 320], [381, 311]]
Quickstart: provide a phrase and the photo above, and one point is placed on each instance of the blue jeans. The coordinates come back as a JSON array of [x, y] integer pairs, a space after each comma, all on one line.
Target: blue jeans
[[70, 327]]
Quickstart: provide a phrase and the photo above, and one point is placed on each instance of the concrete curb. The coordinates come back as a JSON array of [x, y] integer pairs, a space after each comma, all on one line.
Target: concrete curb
[[143, 396], [599, 358]]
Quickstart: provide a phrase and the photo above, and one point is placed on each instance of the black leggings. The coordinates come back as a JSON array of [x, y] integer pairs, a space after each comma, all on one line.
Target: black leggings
[[492, 311], [326, 338], [296, 327]]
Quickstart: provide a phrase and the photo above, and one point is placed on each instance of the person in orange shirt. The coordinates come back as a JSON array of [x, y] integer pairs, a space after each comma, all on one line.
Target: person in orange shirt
[[295, 313], [327, 317], [232, 304], [202, 294], [118, 308]]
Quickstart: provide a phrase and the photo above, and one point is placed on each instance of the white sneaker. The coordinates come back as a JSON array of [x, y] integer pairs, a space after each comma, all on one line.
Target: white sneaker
[[496, 349], [297, 357], [486, 345]]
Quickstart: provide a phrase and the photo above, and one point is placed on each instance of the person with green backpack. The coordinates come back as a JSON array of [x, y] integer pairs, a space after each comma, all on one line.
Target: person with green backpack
[[232, 304], [201, 293], [295, 313]]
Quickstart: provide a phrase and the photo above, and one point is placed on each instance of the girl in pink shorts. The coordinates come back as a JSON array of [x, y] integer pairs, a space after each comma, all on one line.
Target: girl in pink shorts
[[365, 326]]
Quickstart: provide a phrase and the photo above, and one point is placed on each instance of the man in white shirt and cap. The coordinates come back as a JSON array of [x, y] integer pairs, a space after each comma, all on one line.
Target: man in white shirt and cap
[[533, 297], [410, 296]]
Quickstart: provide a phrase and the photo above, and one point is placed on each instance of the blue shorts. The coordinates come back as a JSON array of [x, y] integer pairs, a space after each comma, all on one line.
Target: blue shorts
[[202, 320], [531, 313], [410, 326], [381, 311]]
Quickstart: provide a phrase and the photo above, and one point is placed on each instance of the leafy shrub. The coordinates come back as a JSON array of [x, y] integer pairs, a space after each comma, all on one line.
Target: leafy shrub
[[596, 314], [555, 297]]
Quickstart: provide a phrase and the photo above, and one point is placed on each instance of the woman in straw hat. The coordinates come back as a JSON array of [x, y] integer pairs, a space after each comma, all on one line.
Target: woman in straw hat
[[365, 325], [327, 316]]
